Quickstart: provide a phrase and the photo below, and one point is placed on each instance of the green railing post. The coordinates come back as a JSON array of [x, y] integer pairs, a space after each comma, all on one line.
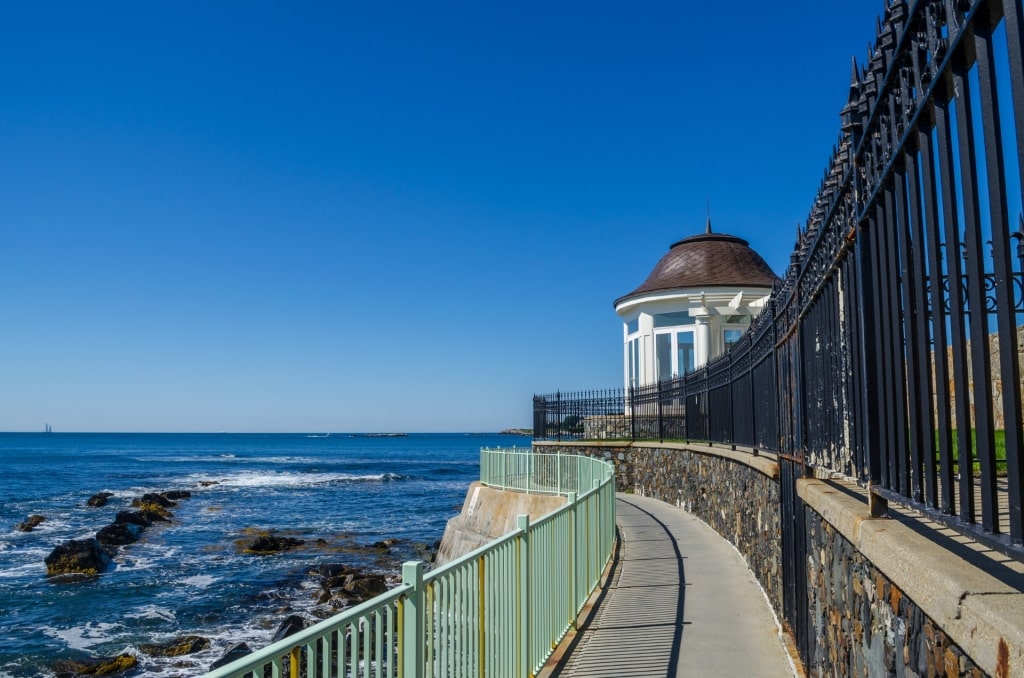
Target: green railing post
[[523, 584], [529, 471], [558, 470], [411, 650], [572, 560]]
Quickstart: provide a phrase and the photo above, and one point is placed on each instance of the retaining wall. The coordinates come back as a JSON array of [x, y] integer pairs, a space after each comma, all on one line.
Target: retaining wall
[[895, 596], [487, 514]]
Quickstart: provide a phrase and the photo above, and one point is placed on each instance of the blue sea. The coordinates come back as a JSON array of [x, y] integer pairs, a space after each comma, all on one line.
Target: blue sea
[[339, 493]]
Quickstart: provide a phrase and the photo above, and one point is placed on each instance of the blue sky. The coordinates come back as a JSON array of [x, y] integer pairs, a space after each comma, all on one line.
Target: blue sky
[[252, 216]]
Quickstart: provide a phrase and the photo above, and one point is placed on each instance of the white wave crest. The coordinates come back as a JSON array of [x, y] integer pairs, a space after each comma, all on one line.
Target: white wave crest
[[285, 479], [199, 580], [85, 636], [151, 612]]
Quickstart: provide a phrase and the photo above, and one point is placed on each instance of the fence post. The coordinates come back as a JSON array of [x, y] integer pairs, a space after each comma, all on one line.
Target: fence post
[[411, 650], [558, 413], [596, 540], [661, 423], [632, 412], [523, 599], [572, 560], [558, 471], [529, 472]]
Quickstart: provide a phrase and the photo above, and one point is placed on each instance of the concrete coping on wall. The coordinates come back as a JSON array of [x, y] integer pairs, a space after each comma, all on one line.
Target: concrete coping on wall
[[764, 462], [974, 594]]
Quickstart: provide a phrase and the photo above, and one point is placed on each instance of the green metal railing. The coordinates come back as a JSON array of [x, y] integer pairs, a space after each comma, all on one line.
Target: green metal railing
[[497, 611]]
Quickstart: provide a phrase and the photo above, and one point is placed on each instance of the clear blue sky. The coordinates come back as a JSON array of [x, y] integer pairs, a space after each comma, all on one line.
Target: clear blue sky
[[378, 216]]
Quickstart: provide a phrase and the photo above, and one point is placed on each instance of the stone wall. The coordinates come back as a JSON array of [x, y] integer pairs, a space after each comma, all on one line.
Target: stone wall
[[863, 624]]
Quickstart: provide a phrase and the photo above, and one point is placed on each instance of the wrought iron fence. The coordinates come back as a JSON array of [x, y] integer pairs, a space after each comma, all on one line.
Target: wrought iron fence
[[891, 351]]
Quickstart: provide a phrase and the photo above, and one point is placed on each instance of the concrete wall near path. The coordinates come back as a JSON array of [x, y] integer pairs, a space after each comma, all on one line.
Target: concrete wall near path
[[886, 597], [487, 514]]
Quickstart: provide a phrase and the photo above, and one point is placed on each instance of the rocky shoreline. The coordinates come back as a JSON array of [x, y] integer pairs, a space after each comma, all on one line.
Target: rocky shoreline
[[335, 585]]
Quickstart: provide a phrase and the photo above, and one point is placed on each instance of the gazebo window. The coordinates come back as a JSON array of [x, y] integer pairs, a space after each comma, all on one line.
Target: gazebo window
[[675, 353], [672, 319], [731, 337], [684, 352]]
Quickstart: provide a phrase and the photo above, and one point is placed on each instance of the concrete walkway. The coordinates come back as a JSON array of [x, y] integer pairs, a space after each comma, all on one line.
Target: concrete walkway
[[680, 602]]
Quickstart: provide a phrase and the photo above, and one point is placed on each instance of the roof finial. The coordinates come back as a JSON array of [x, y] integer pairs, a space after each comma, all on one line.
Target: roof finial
[[707, 229]]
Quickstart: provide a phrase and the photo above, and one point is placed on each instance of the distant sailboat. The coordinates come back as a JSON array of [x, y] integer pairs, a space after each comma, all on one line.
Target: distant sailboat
[[48, 429]]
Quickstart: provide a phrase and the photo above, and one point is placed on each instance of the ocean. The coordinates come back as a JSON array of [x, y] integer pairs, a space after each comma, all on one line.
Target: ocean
[[339, 493]]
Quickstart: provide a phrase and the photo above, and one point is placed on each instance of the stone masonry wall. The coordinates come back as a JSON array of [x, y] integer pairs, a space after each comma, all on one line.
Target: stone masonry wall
[[862, 624]]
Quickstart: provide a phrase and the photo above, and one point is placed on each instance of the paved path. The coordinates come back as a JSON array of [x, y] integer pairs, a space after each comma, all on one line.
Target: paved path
[[681, 602]]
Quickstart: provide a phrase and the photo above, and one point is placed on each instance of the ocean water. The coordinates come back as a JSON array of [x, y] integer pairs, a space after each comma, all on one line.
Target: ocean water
[[189, 576]]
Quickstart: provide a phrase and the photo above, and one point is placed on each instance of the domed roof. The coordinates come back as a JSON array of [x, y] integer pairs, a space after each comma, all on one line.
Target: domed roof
[[707, 260]]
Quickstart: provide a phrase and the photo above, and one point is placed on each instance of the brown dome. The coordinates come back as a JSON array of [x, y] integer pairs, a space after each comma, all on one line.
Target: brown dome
[[707, 260]]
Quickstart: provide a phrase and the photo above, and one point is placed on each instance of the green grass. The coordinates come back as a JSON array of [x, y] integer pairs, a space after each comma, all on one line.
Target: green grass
[[1000, 441]]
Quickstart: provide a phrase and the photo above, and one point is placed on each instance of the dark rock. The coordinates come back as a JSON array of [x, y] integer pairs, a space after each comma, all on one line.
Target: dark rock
[[133, 518], [78, 556], [157, 515], [272, 544], [99, 666], [99, 499], [174, 495], [30, 523], [351, 588], [153, 498], [365, 587], [291, 625], [329, 570], [208, 483], [236, 651], [119, 534], [176, 647], [154, 506]]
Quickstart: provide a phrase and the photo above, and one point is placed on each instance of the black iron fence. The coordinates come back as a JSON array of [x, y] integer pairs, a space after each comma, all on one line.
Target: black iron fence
[[891, 351]]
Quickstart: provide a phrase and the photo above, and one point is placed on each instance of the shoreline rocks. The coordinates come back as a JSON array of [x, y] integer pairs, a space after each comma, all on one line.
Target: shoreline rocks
[[90, 557], [119, 534], [176, 647], [30, 523], [99, 666], [78, 556], [269, 543], [99, 499], [236, 651]]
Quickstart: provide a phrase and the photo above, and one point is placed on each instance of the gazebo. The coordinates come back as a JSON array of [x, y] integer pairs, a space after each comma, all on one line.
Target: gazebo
[[694, 305]]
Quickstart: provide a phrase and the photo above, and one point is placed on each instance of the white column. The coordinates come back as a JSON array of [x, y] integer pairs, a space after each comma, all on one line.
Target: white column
[[647, 360], [625, 354], [702, 341]]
